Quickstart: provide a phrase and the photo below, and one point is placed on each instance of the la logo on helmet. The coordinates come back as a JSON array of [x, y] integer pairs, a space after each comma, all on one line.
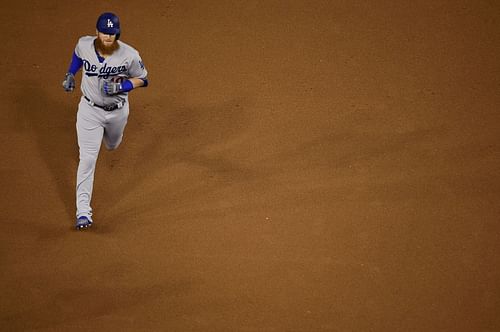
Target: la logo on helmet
[[110, 24]]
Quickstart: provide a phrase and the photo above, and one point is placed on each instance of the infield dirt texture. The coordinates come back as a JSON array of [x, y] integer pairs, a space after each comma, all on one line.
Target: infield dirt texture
[[293, 166]]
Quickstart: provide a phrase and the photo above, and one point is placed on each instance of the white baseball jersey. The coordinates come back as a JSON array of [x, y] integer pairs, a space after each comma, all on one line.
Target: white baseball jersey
[[124, 62]]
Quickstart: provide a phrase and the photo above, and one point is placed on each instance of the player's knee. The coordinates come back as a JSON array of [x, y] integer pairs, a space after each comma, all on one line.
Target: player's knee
[[111, 147], [88, 160]]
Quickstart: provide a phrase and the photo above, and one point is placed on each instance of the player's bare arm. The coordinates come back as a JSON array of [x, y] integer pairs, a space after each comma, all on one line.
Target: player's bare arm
[[137, 82]]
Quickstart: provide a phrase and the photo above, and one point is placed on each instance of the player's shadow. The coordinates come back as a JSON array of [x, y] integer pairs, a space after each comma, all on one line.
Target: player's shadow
[[50, 122]]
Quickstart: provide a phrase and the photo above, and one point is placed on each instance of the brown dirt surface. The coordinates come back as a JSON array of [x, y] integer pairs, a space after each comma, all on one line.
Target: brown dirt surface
[[293, 166]]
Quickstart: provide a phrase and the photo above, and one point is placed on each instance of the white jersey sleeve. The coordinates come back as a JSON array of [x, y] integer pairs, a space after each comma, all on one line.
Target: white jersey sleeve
[[78, 47], [137, 68]]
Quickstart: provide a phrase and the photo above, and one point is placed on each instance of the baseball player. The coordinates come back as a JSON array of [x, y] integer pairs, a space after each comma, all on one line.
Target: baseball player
[[111, 69]]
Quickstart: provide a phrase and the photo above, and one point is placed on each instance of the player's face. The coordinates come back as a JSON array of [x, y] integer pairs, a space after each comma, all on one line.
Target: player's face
[[106, 40]]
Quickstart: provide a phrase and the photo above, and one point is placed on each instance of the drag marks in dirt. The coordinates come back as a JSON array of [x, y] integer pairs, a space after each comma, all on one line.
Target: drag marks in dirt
[[78, 305], [169, 146]]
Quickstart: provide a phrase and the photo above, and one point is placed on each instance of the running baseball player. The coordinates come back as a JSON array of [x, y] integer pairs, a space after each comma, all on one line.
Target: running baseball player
[[111, 69]]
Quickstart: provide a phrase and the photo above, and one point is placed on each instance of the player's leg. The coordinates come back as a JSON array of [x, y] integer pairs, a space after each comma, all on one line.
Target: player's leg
[[115, 126], [90, 132]]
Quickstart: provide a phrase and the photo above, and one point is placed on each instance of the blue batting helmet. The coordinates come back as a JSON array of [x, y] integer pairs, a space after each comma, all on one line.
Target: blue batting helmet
[[109, 24]]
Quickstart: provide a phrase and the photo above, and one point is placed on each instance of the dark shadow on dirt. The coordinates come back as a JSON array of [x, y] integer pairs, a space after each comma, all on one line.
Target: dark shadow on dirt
[[52, 126]]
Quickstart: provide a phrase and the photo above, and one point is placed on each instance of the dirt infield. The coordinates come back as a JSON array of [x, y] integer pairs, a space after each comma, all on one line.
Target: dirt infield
[[293, 166]]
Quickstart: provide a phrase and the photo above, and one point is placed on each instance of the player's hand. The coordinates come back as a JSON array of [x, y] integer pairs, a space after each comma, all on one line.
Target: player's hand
[[112, 88], [69, 82]]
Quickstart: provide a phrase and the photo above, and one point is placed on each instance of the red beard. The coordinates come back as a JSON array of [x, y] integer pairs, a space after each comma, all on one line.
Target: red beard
[[103, 49]]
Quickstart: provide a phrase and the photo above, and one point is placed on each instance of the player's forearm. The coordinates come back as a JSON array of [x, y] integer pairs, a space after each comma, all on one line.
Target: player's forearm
[[111, 88], [137, 82], [132, 83]]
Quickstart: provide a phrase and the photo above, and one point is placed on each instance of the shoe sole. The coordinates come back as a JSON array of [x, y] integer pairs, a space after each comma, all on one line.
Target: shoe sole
[[82, 227]]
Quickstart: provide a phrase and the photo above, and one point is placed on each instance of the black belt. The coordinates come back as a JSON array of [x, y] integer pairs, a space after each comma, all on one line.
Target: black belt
[[107, 108]]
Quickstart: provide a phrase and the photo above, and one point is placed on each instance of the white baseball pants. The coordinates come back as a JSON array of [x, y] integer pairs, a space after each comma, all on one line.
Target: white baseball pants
[[95, 125]]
